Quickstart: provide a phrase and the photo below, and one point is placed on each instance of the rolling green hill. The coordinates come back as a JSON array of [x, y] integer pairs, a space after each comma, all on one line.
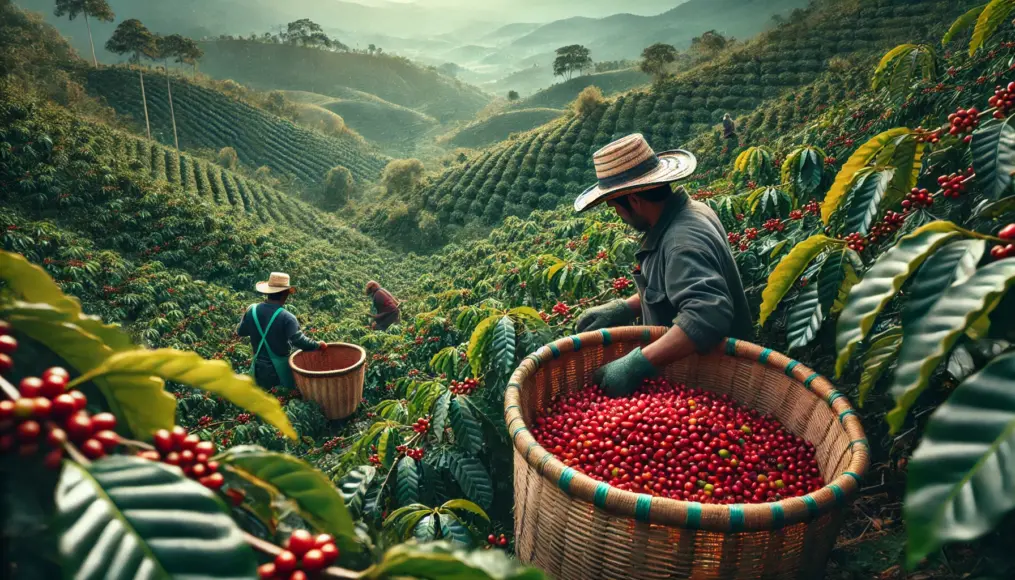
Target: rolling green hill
[[392, 126], [552, 164], [210, 119], [498, 127], [560, 95], [286, 67]]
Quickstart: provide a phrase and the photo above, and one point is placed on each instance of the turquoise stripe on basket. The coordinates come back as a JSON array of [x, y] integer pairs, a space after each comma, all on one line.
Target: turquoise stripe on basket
[[736, 517], [855, 476], [693, 515], [607, 339], [554, 350], [509, 407], [646, 335], [789, 367], [534, 358], [528, 450], [514, 386], [564, 483], [837, 492], [778, 516], [763, 357], [731, 346], [514, 434], [810, 379], [542, 461], [577, 343], [832, 396], [812, 504], [846, 413], [859, 442], [602, 490], [642, 507]]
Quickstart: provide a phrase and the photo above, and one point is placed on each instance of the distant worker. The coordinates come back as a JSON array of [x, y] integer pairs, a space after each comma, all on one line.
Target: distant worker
[[273, 332], [687, 278], [385, 307], [729, 128]]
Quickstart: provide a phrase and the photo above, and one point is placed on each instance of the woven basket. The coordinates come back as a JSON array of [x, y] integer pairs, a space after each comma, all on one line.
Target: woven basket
[[575, 527], [332, 377]]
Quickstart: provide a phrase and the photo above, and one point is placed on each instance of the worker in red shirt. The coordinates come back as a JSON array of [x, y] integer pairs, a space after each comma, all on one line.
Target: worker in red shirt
[[385, 307]]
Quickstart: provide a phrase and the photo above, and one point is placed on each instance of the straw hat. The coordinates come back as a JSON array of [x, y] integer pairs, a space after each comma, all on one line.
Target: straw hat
[[629, 165], [277, 282]]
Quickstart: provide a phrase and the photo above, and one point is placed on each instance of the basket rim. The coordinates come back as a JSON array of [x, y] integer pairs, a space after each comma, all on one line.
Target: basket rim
[[687, 514], [334, 372]]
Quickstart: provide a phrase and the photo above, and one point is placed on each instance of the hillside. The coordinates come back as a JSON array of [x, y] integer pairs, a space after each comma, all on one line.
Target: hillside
[[501, 125], [560, 95], [393, 127], [286, 67], [551, 165], [621, 36], [210, 119]]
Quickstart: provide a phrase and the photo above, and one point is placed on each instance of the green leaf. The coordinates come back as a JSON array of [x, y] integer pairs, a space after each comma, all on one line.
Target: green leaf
[[884, 348], [455, 531], [962, 476], [503, 348], [353, 486], [406, 518], [905, 154], [472, 478], [440, 561], [788, 270], [426, 529], [865, 199], [407, 481], [835, 278], [993, 150], [468, 431], [465, 505], [446, 361], [805, 317], [857, 161], [478, 342], [140, 402], [952, 264], [126, 517], [387, 446], [318, 500], [937, 332], [992, 17], [190, 369], [961, 23], [439, 415], [32, 284], [882, 282]]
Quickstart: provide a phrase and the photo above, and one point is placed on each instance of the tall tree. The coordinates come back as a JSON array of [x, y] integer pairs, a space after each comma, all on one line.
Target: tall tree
[[709, 43], [167, 47], [132, 37], [656, 58], [97, 9], [570, 59]]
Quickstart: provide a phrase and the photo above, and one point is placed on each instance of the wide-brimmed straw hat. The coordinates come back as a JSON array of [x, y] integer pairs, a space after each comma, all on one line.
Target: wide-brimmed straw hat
[[629, 165], [277, 282]]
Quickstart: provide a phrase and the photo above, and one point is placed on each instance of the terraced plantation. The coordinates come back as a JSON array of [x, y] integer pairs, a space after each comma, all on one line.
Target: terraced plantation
[[227, 189], [500, 126], [211, 120], [543, 168]]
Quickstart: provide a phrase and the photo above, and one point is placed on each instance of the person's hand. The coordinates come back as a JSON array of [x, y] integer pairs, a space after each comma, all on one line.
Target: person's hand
[[373, 326], [613, 313], [621, 377], [322, 345]]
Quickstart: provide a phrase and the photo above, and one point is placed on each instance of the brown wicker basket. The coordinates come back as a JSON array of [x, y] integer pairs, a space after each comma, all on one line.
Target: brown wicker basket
[[332, 377], [575, 527]]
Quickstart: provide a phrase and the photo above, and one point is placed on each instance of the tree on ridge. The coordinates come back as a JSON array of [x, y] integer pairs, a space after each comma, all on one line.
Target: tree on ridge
[[570, 59], [97, 9], [133, 37], [656, 59]]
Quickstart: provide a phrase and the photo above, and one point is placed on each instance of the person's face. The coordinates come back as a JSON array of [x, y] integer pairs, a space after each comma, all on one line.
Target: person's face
[[634, 216]]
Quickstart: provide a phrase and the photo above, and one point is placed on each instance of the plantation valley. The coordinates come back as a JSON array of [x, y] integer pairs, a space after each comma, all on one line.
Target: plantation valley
[[162, 163]]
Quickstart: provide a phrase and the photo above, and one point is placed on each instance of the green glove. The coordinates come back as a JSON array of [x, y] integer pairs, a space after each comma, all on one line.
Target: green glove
[[613, 313], [621, 377]]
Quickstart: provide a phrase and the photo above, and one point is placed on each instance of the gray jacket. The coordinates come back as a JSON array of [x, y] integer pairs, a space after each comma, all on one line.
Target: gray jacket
[[688, 276]]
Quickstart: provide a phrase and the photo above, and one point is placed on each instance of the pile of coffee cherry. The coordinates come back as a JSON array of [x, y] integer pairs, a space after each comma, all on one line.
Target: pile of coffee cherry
[[677, 442], [304, 557]]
